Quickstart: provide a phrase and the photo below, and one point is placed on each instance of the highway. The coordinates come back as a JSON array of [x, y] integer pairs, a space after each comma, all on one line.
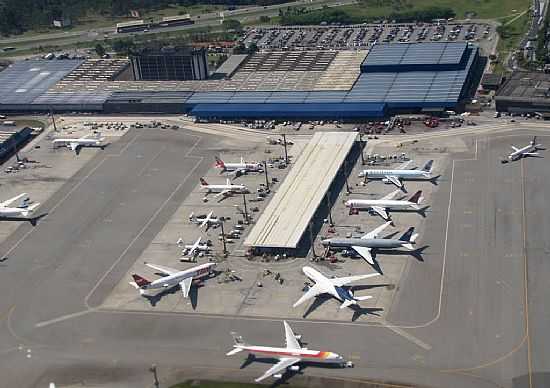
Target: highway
[[204, 20], [471, 315]]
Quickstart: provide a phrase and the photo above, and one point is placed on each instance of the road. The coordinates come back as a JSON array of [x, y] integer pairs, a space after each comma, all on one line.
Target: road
[[204, 20], [461, 318]]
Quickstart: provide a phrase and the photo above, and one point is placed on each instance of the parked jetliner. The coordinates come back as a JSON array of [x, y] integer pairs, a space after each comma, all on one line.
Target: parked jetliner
[[332, 286], [288, 357], [75, 144], [397, 176], [364, 245], [11, 209], [239, 168], [529, 150], [191, 250], [207, 220], [223, 190], [382, 205], [173, 278]]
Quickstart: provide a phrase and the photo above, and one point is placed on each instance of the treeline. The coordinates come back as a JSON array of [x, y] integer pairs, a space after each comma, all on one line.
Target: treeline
[[301, 16], [17, 16]]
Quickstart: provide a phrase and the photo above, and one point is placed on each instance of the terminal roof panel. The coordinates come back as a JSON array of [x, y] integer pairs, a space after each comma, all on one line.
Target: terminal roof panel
[[291, 209], [23, 81], [413, 56]]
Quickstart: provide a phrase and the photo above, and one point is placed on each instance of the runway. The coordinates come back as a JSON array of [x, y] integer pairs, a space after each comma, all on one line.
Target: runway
[[460, 317]]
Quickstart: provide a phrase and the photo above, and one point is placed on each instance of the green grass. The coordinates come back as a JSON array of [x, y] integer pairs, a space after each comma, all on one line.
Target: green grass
[[509, 41], [215, 384], [483, 9]]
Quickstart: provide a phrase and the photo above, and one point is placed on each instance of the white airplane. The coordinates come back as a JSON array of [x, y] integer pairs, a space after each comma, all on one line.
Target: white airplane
[[207, 220], [332, 286], [529, 150], [239, 168], [9, 208], [173, 278], [382, 205], [370, 241], [191, 250], [75, 144], [223, 190], [402, 173], [291, 354]]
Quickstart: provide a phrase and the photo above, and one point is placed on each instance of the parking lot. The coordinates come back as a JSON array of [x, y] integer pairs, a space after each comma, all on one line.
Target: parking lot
[[363, 36]]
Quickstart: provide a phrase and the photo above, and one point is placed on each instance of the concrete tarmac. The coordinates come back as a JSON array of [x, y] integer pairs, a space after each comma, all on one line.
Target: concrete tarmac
[[459, 319]]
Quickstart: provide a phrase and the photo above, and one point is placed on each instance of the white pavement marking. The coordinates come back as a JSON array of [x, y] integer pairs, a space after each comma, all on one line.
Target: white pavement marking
[[407, 336], [151, 219], [63, 318]]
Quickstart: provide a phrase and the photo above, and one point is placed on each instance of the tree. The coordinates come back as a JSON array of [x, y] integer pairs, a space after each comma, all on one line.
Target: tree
[[252, 47], [264, 19], [100, 50], [232, 25]]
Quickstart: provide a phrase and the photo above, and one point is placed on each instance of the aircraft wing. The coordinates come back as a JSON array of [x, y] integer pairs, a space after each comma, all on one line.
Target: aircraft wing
[[381, 212], [206, 219], [290, 338], [395, 180], [309, 294], [194, 247], [185, 285], [531, 154], [223, 193], [339, 282], [515, 148], [278, 367], [7, 203], [163, 269], [375, 232], [390, 195], [364, 252]]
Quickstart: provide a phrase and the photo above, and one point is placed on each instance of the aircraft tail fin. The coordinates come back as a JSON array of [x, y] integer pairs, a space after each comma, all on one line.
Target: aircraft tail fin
[[140, 281], [410, 245], [203, 182], [219, 163], [428, 166], [407, 235], [417, 197], [360, 298]]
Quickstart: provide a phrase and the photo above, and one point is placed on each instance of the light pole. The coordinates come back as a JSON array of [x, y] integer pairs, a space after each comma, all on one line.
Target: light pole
[[286, 152], [266, 178], [153, 370], [222, 219], [245, 209]]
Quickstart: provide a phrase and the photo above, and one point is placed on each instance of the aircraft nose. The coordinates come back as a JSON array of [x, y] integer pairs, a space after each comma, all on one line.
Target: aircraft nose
[[325, 242]]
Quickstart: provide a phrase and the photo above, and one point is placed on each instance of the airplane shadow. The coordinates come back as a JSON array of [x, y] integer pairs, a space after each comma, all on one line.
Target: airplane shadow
[[359, 311], [417, 253], [317, 302], [154, 299]]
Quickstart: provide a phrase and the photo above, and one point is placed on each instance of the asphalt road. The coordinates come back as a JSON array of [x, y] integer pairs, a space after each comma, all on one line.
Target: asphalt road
[[459, 320], [204, 20]]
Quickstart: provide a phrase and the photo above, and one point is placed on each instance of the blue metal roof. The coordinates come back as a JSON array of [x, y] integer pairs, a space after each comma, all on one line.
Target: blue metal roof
[[398, 57]]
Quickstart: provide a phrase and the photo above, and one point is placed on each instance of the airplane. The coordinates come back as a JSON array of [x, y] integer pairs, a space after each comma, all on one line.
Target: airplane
[[239, 168], [191, 250], [332, 286], [397, 176], [527, 151], [382, 205], [207, 220], [75, 144], [223, 190], [21, 210], [174, 277], [291, 354], [370, 241]]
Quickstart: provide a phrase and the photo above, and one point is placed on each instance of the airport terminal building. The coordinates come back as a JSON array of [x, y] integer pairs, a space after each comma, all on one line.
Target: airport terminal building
[[337, 85]]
